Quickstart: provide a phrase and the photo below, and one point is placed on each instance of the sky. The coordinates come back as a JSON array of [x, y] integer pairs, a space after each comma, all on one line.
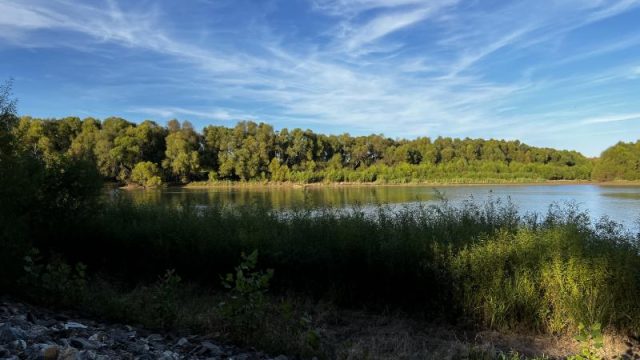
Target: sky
[[556, 73]]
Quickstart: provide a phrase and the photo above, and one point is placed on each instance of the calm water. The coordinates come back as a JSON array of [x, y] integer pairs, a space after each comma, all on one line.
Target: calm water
[[619, 203]]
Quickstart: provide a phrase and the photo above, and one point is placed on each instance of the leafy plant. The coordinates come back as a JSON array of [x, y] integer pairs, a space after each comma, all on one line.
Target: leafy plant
[[164, 298], [590, 339], [54, 280], [245, 305]]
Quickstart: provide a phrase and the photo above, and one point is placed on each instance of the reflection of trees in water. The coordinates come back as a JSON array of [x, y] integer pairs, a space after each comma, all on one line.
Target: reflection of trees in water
[[307, 197]]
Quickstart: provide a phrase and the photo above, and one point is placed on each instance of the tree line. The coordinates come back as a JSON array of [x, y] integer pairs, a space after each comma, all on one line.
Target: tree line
[[150, 154], [619, 162]]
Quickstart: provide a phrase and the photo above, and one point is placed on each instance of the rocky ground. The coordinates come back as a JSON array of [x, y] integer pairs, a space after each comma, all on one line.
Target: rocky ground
[[28, 332]]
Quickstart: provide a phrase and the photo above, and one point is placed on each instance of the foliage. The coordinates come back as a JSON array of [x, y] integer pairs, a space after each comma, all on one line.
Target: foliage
[[146, 174], [619, 162], [479, 263], [246, 303], [54, 281], [256, 152], [163, 299], [8, 118], [590, 339], [181, 157], [40, 188], [551, 277]]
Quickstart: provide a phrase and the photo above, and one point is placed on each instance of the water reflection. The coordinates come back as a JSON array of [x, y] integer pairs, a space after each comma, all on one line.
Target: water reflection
[[618, 203], [285, 198]]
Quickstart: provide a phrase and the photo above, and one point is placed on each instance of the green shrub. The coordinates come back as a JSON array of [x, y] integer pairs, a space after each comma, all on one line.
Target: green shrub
[[146, 174], [245, 306], [54, 281]]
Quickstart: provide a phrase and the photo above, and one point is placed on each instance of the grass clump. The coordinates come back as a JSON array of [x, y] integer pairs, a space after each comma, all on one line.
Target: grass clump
[[551, 277]]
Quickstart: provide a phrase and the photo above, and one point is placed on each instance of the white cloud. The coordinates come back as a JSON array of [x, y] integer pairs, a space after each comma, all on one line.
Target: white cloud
[[437, 86], [354, 32], [354, 7], [175, 112], [382, 26], [611, 118]]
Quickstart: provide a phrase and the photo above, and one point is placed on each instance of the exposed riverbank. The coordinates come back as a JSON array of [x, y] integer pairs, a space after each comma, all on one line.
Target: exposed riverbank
[[30, 332], [234, 184], [34, 332], [489, 182], [294, 185]]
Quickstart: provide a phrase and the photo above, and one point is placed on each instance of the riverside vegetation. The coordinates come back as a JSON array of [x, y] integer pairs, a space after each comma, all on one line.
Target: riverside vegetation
[[147, 154], [474, 266]]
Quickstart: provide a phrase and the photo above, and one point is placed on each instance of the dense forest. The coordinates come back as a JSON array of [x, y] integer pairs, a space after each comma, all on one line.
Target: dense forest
[[149, 154]]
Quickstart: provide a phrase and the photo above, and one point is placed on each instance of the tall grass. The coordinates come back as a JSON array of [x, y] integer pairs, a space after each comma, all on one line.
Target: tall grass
[[485, 263]]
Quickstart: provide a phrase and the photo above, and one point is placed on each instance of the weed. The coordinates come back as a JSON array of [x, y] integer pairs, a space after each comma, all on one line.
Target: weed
[[590, 339], [54, 281], [246, 303]]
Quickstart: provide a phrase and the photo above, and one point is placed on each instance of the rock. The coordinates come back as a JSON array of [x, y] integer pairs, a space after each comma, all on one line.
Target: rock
[[138, 347], [280, 357], [169, 355], [50, 353], [18, 345], [4, 352], [99, 337], [146, 356], [9, 334], [209, 348], [182, 342], [87, 355], [68, 353], [70, 325], [80, 343], [155, 337], [31, 333], [35, 351]]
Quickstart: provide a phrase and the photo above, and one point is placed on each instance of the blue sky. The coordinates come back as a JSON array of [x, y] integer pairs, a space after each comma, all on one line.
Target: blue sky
[[559, 73]]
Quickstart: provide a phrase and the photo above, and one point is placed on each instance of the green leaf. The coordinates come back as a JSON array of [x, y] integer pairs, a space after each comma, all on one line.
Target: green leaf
[[581, 338]]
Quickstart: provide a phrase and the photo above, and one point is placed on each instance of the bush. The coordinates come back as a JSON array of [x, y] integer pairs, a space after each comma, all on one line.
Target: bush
[[54, 281], [146, 174], [552, 278], [246, 303]]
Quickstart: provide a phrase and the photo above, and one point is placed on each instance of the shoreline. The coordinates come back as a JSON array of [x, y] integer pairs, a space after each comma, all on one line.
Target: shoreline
[[292, 185]]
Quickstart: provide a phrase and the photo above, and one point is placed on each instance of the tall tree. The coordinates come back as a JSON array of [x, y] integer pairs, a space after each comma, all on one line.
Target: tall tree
[[182, 158]]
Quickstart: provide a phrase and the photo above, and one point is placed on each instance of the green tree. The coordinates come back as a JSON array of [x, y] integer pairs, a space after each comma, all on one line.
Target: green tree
[[146, 174], [182, 159], [83, 145], [619, 162], [113, 162], [36, 195]]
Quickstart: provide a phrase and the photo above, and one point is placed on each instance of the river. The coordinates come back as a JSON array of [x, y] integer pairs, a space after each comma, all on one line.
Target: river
[[620, 203]]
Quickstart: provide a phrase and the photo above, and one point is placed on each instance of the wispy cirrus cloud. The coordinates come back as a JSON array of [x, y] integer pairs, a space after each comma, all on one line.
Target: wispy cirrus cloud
[[402, 67], [611, 118], [175, 112]]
